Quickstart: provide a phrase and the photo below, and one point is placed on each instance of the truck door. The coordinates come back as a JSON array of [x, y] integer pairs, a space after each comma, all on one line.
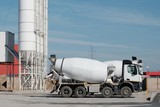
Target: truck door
[[131, 73]]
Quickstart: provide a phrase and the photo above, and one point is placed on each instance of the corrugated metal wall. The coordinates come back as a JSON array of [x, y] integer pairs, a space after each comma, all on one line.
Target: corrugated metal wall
[[9, 74], [7, 68]]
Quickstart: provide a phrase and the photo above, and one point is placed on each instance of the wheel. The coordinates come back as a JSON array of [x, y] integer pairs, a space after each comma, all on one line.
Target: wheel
[[107, 92], [66, 91], [80, 91], [126, 92]]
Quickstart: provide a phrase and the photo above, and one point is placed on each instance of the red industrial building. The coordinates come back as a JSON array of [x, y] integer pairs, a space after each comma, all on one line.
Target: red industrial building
[[153, 74], [7, 68]]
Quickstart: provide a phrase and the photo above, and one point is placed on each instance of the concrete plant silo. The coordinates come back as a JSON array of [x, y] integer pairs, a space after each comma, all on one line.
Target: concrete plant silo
[[33, 28]]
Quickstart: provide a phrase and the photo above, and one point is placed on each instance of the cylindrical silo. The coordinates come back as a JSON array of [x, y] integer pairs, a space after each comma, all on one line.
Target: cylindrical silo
[[37, 15], [27, 37], [32, 28], [45, 48], [42, 26], [46, 28]]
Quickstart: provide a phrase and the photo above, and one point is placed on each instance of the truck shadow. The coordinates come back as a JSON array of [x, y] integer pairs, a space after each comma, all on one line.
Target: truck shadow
[[73, 96], [96, 96]]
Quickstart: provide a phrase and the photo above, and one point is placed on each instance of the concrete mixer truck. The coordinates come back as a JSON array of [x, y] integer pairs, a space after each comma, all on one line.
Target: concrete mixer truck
[[80, 76]]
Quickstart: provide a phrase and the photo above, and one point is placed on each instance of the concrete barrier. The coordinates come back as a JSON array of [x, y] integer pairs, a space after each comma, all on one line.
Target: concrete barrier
[[8, 83], [12, 83]]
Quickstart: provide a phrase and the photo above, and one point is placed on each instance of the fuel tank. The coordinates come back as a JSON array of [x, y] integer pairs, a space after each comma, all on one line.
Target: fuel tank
[[82, 69]]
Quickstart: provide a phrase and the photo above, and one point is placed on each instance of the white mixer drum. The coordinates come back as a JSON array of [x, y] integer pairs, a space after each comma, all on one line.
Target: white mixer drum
[[82, 69]]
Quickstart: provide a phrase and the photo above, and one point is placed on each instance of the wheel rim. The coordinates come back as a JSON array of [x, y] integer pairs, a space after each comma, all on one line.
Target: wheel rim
[[126, 92], [107, 92], [80, 92], [66, 92]]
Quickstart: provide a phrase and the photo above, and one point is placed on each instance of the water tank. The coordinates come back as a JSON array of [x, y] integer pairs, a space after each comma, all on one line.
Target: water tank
[[117, 67], [6, 38], [82, 69]]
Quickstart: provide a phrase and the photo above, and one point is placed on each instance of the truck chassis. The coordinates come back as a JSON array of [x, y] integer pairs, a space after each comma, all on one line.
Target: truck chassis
[[81, 89]]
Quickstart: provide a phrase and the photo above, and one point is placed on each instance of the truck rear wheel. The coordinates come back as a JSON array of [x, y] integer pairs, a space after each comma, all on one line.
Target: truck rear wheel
[[66, 91], [80, 91], [126, 92], [107, 92]]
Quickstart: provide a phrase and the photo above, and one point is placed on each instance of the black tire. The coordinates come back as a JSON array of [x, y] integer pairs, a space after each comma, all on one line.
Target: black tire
[[107, 92], [126, 92], [92, 94], [66, 91], [80, 91]]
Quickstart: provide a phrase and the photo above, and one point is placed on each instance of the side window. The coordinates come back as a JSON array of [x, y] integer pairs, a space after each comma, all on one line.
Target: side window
[[132, 69]]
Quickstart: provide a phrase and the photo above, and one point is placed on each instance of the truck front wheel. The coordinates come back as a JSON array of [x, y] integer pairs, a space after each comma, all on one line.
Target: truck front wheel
[[107, 92], [126, 92], [66, 91], [80, 91]]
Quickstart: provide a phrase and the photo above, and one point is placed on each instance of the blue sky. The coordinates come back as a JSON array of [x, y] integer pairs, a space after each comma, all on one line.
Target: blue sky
[[114, 29]]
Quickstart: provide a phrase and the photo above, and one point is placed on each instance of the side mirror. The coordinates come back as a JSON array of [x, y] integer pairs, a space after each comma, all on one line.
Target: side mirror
[[141, 71], [53, 58]]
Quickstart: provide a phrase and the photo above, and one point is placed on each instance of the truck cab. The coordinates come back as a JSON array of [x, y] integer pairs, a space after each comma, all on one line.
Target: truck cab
[[124, 77]]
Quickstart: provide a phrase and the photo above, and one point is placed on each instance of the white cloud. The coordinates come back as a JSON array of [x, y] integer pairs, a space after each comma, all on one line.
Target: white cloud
[[84, 43], [128, 17], [59, 19], [66, 34], [84, 54], [70, 53], [111, 14]]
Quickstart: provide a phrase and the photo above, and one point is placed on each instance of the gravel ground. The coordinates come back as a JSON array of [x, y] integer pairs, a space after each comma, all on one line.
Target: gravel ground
[[45, 99]]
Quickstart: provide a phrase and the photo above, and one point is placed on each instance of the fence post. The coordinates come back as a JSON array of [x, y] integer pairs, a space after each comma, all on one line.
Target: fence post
[[157, 83]]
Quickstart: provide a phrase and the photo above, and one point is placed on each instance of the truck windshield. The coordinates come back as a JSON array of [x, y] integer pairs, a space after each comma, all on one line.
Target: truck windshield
[[132, 69]]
